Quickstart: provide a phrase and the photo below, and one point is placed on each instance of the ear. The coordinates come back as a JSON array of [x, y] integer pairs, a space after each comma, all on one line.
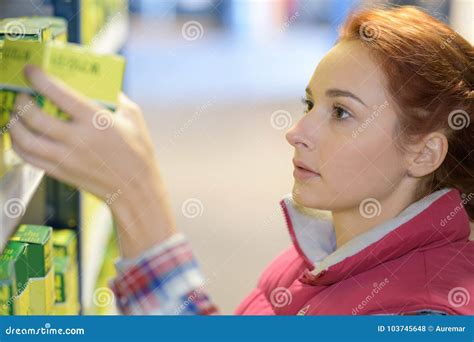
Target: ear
[[428, 154]]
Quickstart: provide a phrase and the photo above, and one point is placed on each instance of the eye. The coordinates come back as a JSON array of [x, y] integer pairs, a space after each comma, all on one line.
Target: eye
[[309, 105], [340, 113]]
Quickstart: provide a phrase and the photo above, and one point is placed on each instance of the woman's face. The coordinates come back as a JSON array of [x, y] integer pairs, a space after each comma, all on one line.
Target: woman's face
[[347, 135]]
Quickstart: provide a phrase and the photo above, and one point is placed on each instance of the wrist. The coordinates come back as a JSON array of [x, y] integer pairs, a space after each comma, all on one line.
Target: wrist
[[143, 216]]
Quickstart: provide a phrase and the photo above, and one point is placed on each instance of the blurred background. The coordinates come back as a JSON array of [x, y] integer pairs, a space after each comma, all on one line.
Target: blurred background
[[219, 83]]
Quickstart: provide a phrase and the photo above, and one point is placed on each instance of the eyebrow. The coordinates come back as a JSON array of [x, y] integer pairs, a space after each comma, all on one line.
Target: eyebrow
[[338, 92], [344, 93]]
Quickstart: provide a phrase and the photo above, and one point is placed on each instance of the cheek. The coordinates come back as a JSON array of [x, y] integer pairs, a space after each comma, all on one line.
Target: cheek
[[362, 168], [352, 169]]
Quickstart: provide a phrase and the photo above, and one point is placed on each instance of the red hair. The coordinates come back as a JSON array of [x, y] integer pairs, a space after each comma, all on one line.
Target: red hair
[[430, 73]]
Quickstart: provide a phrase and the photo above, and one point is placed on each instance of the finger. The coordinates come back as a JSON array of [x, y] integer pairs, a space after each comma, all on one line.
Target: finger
[[51, 168], [127, 105], [125, 101], [35, 119], [59, 170], [65, 97], [36, 145]]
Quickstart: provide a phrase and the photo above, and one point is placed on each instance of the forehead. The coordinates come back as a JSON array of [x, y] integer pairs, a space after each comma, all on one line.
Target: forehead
[[349, 66]]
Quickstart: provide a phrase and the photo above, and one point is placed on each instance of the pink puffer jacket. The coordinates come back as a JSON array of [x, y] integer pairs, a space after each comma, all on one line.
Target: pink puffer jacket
[[422, 260]]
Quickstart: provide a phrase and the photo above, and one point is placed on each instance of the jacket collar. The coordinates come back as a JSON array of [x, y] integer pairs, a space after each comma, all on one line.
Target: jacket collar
[[435, 220]]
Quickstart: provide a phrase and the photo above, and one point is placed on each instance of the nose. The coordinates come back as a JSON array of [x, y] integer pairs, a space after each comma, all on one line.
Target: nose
[[297, 137]]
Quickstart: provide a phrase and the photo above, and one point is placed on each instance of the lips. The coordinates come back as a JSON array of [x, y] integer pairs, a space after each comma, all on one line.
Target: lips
[[299, 164], [303, 172]]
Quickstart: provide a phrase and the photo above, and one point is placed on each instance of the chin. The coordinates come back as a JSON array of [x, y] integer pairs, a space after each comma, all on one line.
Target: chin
[[305, 195], [312, 196]]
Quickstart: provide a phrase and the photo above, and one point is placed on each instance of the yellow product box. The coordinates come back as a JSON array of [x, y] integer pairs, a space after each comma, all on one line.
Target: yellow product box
[[7, 287], [66, 271], [65, 243], [16, 29], [17, 253], [56, 25], [40, 262], [96, 76], [65, 277], [23, 28]]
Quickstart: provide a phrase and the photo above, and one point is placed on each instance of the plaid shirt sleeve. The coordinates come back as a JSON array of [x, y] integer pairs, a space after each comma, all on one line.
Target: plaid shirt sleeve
[[165, 280]]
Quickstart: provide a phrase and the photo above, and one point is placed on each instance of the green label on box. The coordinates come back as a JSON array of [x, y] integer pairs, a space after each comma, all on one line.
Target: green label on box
[[17, 252], [39, 247]]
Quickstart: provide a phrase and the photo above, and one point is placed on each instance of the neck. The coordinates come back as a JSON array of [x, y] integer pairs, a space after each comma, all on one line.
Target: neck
[[351, 222]]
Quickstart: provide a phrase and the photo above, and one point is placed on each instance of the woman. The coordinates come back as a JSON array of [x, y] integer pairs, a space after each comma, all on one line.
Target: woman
[[385, 146]]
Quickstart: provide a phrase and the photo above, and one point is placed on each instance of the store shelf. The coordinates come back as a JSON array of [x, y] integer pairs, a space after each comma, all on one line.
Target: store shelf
[[112, 37], [94, 248], [17, 187], [20, 183]]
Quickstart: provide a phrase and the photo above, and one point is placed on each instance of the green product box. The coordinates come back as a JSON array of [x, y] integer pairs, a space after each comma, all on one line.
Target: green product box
[[41, 272], [17, 252]]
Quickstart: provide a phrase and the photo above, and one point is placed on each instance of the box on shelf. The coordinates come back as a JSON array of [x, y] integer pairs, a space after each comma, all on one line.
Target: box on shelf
[[96, 76], [65, 280], [23, 28], [65, 243], [7, 287], [40, 262], [97, 15], [57, 25], [66, 275], [29, 29], [16, 300]]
